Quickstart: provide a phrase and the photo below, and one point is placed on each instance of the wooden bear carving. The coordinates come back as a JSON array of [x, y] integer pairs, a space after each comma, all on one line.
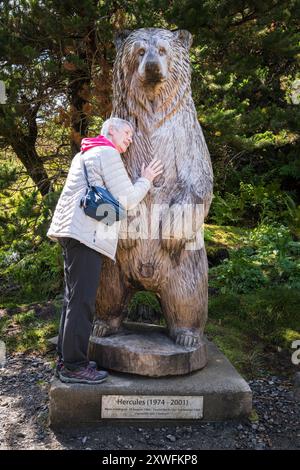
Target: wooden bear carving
[[152, 90]]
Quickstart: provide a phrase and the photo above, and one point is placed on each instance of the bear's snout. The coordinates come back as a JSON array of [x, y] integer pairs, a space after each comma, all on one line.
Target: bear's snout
[[153, 71], [152, 68]]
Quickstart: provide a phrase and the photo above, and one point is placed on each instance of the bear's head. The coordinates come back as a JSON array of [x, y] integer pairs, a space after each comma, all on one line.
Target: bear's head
[[151, 62]]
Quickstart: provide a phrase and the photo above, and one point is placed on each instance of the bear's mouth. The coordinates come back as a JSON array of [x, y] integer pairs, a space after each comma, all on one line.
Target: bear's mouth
[[153, 79]]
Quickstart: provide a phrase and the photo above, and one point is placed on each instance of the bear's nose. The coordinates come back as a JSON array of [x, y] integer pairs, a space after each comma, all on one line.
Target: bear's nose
[[152, 67], [153, 72]]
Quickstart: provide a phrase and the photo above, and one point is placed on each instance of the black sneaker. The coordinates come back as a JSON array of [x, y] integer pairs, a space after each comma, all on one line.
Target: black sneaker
[[83, 375]]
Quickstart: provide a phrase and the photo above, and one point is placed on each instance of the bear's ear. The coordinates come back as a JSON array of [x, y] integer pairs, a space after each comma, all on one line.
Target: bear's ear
[[120, 37], [184, 37]]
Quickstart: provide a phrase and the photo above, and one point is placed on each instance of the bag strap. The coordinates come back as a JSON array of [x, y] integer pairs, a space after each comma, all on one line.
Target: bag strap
[[85, 172]]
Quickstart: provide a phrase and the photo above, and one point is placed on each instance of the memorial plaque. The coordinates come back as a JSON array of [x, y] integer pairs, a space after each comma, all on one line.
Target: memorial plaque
[[151, 407]]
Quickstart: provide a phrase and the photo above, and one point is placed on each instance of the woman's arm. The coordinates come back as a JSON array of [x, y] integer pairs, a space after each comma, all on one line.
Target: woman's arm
[[117, 181]]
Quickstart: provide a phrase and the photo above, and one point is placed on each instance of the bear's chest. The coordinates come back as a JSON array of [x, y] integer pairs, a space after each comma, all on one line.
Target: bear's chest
[[172, 146]]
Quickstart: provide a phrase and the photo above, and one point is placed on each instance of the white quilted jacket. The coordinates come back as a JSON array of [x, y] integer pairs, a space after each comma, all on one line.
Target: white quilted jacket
[[105, 168]]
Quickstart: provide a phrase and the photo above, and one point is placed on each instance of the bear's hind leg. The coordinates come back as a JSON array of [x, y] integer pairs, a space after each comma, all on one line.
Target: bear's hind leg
[[184, 299], [112, 298]]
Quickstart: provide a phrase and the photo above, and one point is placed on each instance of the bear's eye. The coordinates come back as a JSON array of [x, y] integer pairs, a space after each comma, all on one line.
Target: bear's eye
[[162, 51], [142, 52]]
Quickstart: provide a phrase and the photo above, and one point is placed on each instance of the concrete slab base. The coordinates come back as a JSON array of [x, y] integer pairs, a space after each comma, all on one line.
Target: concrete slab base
[[225, 393]]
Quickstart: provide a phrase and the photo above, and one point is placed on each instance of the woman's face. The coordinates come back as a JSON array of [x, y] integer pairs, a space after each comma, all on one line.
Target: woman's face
[[121, 137]]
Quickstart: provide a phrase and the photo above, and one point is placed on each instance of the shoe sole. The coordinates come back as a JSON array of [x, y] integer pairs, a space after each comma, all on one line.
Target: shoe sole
[[70, 380]]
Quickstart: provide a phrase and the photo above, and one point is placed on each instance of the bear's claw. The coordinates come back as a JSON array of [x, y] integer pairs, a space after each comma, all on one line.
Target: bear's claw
[[102, 328], [186, 337]]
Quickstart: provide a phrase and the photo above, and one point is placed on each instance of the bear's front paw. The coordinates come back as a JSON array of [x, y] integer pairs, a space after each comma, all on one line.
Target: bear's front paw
[[102, 328], [186, 337]]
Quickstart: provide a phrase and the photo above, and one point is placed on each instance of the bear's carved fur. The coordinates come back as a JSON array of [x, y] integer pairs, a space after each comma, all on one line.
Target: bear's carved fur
[[152, 90]]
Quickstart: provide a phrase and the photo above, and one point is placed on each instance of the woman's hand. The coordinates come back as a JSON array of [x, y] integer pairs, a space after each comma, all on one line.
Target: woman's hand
[[154, 169]]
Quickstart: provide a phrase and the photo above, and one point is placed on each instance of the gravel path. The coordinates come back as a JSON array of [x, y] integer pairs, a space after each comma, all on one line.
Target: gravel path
[[24, 385]]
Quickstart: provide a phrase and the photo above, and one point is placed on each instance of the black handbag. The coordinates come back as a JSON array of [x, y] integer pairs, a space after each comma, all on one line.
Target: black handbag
[[100, 204]]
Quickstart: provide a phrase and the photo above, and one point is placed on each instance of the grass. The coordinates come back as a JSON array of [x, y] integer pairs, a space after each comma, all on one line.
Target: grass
[[223, 236], [248, 326], [245, 354], [30, 329]]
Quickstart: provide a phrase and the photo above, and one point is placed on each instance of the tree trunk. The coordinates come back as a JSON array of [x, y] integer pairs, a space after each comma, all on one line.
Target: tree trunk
[[79, 90], [34, 166]]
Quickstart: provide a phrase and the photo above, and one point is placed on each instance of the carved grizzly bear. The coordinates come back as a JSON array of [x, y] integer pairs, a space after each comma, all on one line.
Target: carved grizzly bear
[[152, 90]]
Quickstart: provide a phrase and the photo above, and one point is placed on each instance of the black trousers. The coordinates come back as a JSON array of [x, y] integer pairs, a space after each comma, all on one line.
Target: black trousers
[[82, 268]]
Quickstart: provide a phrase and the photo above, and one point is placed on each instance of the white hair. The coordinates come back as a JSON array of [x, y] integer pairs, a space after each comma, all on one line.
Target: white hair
[[115, 122]]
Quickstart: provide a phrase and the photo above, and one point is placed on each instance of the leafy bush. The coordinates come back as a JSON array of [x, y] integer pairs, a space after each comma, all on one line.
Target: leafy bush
[[8, 175], [253, 204], [269, 256], [38, 274], [144, 307], [239, 273], [146, 298]]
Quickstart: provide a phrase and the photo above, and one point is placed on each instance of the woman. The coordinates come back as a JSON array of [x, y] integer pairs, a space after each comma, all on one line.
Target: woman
[[85, 240]]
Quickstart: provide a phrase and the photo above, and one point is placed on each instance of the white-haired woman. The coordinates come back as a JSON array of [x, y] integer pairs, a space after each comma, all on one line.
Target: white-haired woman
[[85, 240]]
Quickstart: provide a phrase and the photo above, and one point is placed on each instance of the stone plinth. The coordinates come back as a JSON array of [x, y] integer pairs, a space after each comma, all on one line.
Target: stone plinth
[[225, 394]]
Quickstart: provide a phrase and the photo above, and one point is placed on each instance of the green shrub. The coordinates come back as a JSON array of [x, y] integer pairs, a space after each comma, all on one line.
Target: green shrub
[[239, 274], [38, 274], [146, 298], [269, 257], [252, 204]]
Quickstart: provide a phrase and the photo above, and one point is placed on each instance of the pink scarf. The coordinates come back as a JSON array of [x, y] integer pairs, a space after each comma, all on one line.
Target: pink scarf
[[91, 142]]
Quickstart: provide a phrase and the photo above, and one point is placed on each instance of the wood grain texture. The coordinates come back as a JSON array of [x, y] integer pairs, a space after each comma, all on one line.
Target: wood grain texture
[[152, 90], [148, 352]]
